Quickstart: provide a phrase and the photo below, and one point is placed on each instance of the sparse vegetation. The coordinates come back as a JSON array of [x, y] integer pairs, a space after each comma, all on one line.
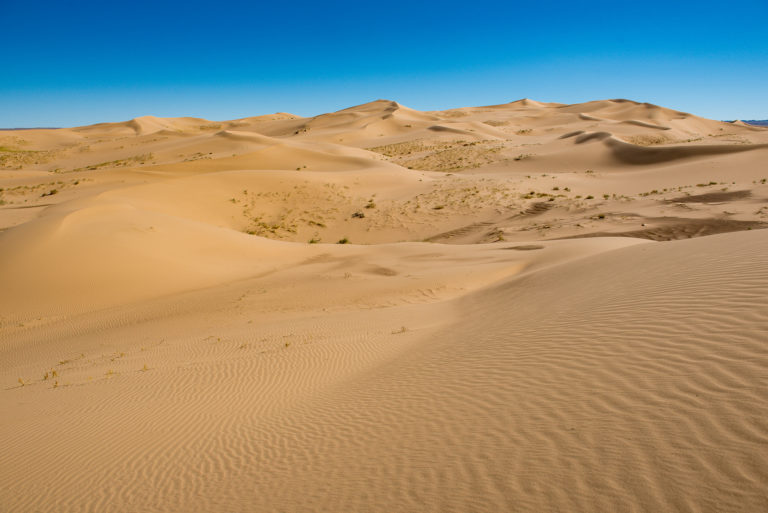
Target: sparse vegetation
[[137, 159], [647, 139], [14, 158], [441, 155]]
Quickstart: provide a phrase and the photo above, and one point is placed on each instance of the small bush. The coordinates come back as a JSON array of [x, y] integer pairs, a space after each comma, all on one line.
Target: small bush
[[343, 241]]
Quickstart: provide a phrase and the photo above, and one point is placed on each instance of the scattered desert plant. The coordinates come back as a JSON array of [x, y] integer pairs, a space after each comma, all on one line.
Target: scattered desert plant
[[647, 139], [140, 159], [343, 241]]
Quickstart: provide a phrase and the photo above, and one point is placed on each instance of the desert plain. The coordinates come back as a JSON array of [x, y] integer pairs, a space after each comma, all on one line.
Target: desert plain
[[519, 307]]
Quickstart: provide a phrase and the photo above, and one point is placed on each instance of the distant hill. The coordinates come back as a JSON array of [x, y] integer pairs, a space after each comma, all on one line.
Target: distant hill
[[756, 122], [32, 128]]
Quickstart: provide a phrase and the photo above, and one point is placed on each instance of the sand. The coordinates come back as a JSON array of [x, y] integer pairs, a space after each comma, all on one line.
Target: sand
[[535, 307]]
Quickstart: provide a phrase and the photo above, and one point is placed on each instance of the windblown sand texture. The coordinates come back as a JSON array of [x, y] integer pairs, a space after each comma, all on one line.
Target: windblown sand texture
[[539, 307]]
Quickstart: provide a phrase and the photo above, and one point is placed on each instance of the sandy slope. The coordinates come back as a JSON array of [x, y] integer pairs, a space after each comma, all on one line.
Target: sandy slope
[[544, 307]]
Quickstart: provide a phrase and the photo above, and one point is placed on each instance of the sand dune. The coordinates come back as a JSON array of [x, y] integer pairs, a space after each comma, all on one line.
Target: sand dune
[[520, 307], [632, 154]]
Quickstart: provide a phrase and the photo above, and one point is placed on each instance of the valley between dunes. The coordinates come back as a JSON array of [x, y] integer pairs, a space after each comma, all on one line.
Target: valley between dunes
[[519, 307]]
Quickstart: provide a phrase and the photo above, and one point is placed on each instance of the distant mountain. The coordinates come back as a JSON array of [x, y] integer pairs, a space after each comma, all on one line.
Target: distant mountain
[[756, 122]]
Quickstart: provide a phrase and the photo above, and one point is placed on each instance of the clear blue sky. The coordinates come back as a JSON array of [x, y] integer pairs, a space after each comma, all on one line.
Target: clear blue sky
[[68, 63]]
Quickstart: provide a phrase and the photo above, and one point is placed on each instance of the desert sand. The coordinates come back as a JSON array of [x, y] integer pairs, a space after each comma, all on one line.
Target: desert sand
[[519, 307]]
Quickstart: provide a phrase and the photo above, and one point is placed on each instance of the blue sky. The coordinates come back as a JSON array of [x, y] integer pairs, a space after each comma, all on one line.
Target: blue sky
[[81, 62]]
